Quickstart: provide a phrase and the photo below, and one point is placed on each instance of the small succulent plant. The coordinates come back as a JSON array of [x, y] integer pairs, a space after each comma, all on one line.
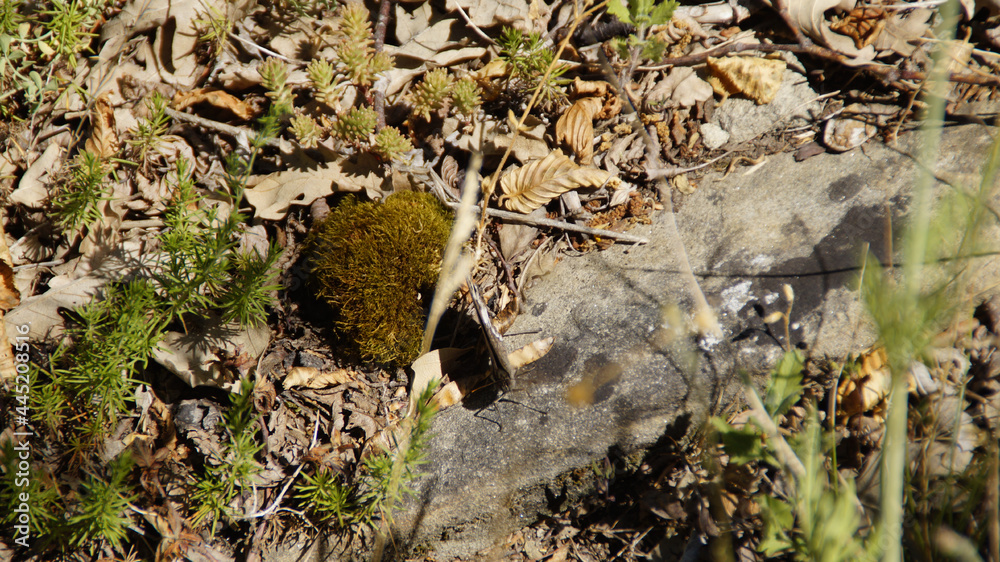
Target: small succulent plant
[[356, 126], [306, 130], [356, 52], [431, 94], [466, 97], [274, 75], [390, 144]]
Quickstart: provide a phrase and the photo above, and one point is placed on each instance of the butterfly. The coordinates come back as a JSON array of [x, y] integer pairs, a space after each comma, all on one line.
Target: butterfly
[[503, 369]]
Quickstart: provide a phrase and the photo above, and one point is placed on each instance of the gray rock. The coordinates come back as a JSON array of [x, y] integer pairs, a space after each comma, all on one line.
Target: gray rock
[[794, 105], [494, 470], [713, 136]]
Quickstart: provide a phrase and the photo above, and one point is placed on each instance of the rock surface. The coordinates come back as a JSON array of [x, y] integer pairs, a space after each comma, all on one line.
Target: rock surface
[[610, 384]]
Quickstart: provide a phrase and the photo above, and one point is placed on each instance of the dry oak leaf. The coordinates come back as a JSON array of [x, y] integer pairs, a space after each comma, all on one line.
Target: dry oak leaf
[[576, 128], [755, 78], [214, 97], [535, 184], [103, 141], [272, 195]]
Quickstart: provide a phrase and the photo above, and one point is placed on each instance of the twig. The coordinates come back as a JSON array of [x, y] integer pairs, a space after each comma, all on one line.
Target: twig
[[705, 318], [475, 29], [782, 450], [259, 49], [288, 484], [383, 21], [533, 221], [52, 263], [889, 74], [671, 171], [782, 7], [235, 132]]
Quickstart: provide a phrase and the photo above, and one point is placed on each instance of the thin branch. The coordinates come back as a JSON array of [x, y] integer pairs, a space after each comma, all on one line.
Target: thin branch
[[475, 29], [220, 127], [889, 74], [380, 28], [549, 223]]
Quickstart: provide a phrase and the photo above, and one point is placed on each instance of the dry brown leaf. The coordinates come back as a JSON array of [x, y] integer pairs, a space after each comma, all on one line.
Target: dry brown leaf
[[31, 190], [214, 97], [810, 17], [272, 195], [449, 395], [530, 353], [175, 25], [535, 184], [196, 356], [901, 29], [103, 140], [576, 128], [430, 367], [612, 104], [487, 13], [755, 78], [311, 377], [863, 25]]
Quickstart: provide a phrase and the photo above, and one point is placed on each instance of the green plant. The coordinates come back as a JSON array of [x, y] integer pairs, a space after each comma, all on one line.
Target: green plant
[[324, 82], [237, 468], [274, 77], [466, 97], [44, 507], [528, 59], [642, 14], [818, 518], [102, 506], [432, 92], [305, 130], [356, 126], [148, 133], [67, 29], [325, 495], [112, 339], [390, 144], [201, 269], [217, 28], [355, 46], [78, 202], [10, 16], [375, 263]]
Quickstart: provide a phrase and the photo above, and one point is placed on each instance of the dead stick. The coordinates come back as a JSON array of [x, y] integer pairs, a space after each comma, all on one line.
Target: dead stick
[[533, 221], [220, 127], [383, 21], [889, 74]]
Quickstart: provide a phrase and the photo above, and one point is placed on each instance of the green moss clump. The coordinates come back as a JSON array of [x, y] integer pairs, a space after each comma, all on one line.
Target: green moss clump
[[376, 264]]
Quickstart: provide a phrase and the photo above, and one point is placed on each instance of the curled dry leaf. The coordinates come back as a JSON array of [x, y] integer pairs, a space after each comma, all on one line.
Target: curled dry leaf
[[214, 97], [535, 184], [810, 17], [576, 128], [430, 367], [103, 141], [530, 353], [754, 77], [311, 377]]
